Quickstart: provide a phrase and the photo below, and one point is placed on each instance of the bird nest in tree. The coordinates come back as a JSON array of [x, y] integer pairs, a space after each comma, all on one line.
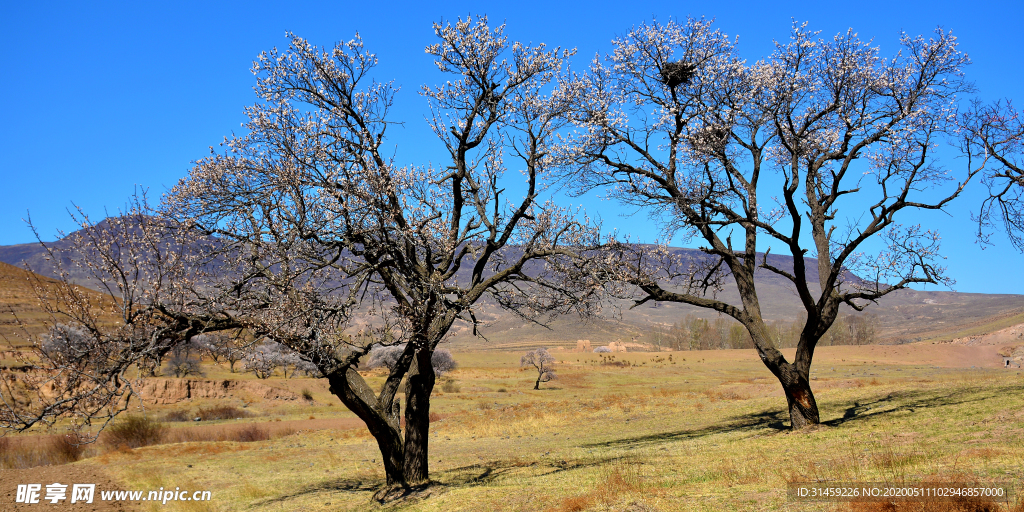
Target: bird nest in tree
[[710, 139], [675, 73]]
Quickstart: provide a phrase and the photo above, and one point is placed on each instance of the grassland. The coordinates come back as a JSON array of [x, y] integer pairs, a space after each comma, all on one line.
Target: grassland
[[640, 432]]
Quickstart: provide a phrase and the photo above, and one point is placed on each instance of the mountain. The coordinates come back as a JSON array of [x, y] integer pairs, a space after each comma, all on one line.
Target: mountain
[[904, 316]]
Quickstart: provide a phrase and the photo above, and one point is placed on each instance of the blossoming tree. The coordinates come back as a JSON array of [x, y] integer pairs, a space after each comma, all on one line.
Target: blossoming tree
[[305, 232], [817, 151]]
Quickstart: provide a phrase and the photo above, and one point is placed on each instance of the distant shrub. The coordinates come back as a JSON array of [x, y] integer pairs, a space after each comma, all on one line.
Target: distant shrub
[[134, 432], [221, 412], [174, 416], [602, 350], [251, 434], [43, 451], [66, 448], [449, 386], [307, 394]]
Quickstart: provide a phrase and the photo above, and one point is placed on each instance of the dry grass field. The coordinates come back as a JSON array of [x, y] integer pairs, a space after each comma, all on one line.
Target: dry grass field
[[628, 431]]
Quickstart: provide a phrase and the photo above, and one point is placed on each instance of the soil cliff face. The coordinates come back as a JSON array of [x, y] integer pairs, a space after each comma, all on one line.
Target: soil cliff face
[[169, 391]]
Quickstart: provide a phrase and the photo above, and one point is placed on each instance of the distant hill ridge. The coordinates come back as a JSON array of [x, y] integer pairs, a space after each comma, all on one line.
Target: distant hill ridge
[[904, 316]]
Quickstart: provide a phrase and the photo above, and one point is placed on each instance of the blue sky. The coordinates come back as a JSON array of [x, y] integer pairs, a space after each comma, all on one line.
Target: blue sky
[[99, 97]]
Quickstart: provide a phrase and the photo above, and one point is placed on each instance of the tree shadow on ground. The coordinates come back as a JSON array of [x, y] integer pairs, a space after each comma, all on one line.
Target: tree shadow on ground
[[756, 422], [911, 401], [351, 485], [472, 475], [778, 420], [490, 471]]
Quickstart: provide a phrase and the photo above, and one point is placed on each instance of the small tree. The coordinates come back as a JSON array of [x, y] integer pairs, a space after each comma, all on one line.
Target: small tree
[[543, 362], [183, 364], [264, 360]]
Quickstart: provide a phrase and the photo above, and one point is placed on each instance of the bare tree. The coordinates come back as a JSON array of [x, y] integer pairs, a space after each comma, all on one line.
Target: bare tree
[[993, 137], [543, 362], [305, 223], [185, 361], [821, 148]]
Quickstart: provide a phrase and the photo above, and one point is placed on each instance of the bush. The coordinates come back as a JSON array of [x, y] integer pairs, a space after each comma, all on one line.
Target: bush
[[602, 350], [221, 412], [66, 448], [181, 415], [449, 386], [42, 451], [134, 432], [307, 394], [251, 434]]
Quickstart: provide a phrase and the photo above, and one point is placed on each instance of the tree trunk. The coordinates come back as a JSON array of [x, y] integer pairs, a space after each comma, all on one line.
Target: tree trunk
[[359, 398], [803, 409], [537, 385], [417, 418]]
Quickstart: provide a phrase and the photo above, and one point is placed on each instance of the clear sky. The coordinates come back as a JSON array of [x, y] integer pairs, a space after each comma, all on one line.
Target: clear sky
[[98, 97]]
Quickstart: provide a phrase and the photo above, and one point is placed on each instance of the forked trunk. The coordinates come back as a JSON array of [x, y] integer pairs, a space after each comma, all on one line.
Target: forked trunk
[[405, 459], [803, 409], [382, 424]]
